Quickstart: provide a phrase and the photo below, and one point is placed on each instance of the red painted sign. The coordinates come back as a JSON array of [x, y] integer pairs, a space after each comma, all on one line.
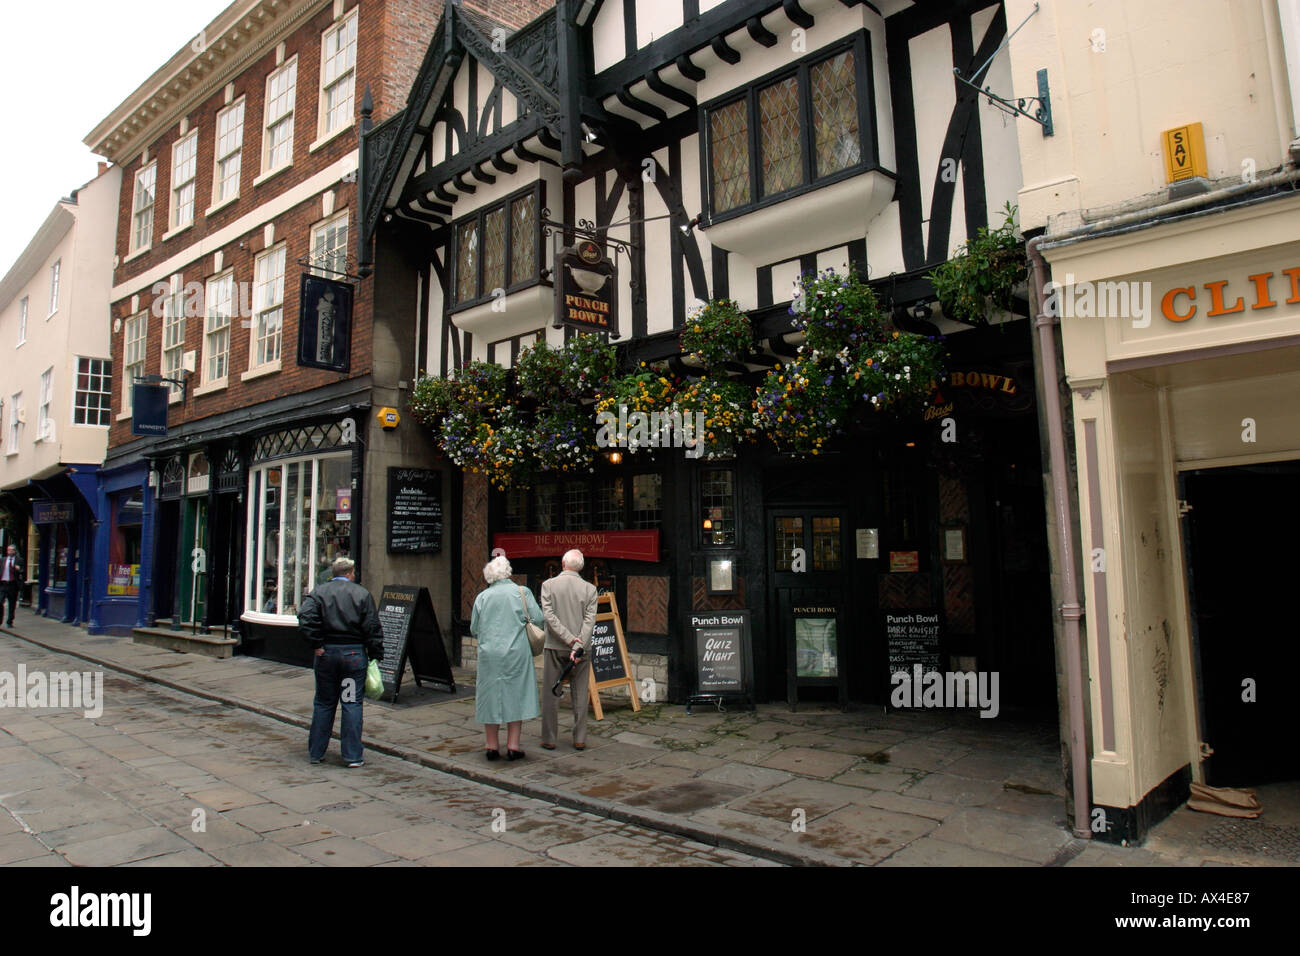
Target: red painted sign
[[631, 545]]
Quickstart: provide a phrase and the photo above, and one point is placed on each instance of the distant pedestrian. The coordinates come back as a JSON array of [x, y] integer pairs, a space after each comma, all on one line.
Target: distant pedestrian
[[340, 620], [569, 604], [506, 684], [11, 579]]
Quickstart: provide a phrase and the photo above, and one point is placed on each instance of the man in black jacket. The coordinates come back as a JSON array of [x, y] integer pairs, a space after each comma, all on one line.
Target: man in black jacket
[[340, 620], [11, 580]]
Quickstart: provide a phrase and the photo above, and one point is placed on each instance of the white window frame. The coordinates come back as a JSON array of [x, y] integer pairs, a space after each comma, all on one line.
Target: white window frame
[[348, 75], [173, 318], [217, 332], [44, 411], [130, 343], [178, 184], [106, 379], [268, 298], [289, 116], [138, 211], [255, 534], [329, 258], [23, 309], [235, 153], [15, 423], [54, 286]]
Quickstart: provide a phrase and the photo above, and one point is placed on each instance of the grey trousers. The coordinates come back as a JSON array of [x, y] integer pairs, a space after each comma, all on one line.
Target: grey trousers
[[553, 665]]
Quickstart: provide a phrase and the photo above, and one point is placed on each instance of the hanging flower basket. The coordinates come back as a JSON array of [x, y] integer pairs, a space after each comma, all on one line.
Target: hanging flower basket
[[727, 408], [718, 333]]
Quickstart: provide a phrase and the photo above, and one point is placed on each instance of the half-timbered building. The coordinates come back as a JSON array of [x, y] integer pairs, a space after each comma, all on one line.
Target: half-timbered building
[[729, 147]]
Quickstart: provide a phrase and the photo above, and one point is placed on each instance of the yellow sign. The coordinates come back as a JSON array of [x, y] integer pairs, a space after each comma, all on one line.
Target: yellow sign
[[388, 418], [1184, 152]]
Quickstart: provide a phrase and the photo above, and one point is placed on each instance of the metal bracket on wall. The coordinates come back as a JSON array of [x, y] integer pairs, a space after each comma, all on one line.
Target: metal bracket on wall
[[1042, 114]]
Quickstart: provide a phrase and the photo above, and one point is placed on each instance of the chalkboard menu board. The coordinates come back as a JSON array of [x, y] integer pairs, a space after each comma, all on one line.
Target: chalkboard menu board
[[720, 640], [411, 633], [414, 511], [606, 661], [913, 638]]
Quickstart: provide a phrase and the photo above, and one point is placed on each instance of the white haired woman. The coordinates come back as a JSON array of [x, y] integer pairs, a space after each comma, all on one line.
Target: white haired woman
[[506, 685]]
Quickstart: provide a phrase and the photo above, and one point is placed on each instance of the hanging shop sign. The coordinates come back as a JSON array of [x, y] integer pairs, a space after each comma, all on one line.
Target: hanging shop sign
[[629, 545], [609, 664], [52, 512], [324, 323], [586, 289], [149, 409]]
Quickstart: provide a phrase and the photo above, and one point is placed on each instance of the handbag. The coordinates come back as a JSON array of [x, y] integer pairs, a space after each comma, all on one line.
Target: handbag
[[374, 681], [536, 635]]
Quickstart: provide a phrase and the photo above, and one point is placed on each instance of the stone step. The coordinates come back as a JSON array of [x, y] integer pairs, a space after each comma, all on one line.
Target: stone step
[[209, 645]]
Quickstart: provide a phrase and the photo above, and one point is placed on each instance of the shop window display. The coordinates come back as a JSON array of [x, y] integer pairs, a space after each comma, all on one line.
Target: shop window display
[[301, 520]]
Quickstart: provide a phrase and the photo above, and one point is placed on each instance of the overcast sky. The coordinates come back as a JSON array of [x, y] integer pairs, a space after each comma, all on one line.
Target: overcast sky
[[64, 66]]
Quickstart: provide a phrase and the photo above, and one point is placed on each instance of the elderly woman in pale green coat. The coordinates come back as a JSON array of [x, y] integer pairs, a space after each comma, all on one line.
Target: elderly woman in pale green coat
[[506, 685]]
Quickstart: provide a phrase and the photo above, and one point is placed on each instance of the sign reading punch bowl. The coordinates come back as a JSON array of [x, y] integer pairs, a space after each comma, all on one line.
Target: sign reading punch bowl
[[586, 289]]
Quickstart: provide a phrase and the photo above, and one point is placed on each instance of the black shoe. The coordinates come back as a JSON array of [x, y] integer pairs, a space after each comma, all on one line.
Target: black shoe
[[495, 754], [515, 755]]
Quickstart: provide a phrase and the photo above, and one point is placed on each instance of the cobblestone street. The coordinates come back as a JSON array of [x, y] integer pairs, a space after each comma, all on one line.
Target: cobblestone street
[[133, 786]]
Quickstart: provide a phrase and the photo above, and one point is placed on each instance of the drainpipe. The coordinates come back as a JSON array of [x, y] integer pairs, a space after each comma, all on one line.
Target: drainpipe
[[1071, 611]]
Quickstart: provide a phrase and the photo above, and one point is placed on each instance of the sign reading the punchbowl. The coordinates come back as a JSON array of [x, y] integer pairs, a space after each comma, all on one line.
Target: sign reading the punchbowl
[[586, 289]]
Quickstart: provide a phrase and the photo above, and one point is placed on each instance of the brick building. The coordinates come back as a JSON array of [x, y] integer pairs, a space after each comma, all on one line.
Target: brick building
[[239, 161]]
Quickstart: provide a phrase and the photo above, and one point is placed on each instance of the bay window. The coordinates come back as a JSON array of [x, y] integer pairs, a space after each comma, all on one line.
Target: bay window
[[800, 128], [496, 249], [299, 521]]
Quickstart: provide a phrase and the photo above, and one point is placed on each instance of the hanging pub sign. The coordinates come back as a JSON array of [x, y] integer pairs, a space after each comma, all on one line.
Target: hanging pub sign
[[324, 323], [586, 289], [149, 409], [52, 512]]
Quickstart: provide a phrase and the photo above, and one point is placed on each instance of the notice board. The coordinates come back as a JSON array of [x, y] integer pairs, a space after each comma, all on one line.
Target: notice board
[[720, 640], [411, 633], [414, 511], [912, 637], [609, 663]]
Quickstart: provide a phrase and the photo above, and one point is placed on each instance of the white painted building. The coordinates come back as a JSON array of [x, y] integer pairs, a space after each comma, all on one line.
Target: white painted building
[[54, 336]]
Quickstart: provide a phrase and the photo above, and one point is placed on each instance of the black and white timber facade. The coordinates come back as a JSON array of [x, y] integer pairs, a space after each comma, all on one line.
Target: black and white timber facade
[[697, 132]]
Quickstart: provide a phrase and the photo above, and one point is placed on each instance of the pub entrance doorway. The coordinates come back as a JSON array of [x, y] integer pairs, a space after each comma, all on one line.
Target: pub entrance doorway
[[1242, 520], [811, 625]]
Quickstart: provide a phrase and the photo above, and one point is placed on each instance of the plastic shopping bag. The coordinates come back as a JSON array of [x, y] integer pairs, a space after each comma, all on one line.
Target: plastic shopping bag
[[374, 682]]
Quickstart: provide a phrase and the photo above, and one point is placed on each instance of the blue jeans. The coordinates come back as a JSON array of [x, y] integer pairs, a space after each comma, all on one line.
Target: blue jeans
[[340, 663]]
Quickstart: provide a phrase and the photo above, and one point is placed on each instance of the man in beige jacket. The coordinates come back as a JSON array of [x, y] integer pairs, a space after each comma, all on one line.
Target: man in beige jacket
[[569, 605]]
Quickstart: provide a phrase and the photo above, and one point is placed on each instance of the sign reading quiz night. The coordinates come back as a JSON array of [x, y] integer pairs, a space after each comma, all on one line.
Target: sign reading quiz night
[[586, 289]]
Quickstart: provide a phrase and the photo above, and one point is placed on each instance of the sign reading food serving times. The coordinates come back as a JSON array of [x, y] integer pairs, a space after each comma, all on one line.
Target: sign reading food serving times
[[586, 289], [411, 633], [720, 640], [414, 511], [324, 323], [609, 663]]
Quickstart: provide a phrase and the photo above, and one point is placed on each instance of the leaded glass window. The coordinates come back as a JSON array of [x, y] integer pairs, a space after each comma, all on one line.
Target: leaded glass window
[[494, 251], [778, 112], [729, 148], [467, 261], [523, 240], [835, 114], [718, 505]]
